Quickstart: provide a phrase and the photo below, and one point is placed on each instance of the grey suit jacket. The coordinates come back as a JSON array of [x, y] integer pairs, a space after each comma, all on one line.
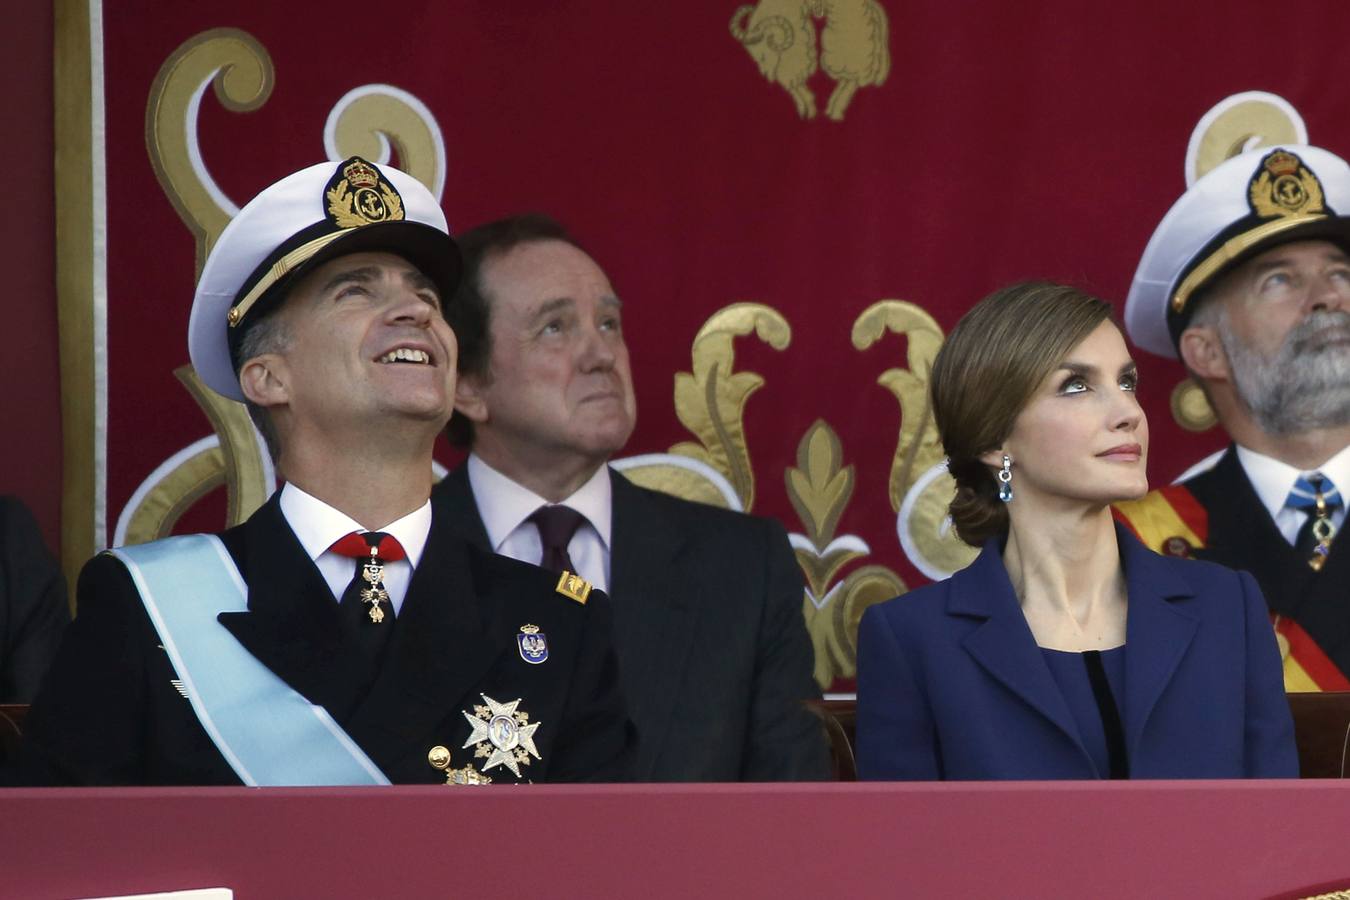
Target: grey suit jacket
[[714, 657]]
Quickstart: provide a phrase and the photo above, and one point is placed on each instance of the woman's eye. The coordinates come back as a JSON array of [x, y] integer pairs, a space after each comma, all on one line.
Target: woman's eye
[[1129, 382], [1075, 385]]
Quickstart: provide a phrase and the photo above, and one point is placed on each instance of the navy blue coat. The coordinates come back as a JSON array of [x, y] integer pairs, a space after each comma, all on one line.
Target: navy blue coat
[[951, 684]]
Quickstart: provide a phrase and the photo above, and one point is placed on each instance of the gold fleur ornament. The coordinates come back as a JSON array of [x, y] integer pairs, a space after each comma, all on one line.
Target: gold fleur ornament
[[502, 734]]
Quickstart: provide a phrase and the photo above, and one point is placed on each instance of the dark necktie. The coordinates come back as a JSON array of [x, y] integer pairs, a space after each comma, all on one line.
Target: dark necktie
[[556, 526], [1316, 496], [367, 613]]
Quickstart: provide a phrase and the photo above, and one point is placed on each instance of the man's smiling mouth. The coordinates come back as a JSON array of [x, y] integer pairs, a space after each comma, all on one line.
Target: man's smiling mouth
[[406, 355]]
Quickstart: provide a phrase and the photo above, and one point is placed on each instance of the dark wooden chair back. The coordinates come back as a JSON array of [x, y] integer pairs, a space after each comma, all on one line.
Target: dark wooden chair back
[[1322, 731], [11, 727], [839, 719]]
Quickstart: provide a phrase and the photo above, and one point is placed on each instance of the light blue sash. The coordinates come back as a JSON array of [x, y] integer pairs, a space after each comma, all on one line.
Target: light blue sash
[[267, 732]]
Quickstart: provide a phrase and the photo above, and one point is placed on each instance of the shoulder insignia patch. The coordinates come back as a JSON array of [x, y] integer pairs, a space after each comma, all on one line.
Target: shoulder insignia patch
[[574, 587]]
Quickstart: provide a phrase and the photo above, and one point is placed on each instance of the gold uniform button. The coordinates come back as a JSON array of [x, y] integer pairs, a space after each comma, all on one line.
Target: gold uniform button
[[439, 757]]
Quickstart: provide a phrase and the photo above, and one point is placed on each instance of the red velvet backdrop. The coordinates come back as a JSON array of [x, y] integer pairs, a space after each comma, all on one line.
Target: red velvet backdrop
[[1009, 141], [30, 453]]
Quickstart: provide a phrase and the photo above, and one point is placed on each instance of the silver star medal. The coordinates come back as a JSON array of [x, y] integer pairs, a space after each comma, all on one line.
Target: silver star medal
[[503, 735]]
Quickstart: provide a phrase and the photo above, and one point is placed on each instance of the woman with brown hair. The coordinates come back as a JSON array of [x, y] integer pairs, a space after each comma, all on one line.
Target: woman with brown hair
[[1067, 649]]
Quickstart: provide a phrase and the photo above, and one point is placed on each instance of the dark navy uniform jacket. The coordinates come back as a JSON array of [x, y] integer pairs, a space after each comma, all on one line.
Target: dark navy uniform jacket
[[109, 713]]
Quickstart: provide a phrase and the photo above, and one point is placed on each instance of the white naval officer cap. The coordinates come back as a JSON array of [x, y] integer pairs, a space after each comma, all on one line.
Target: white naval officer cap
[[1242, 207], [305, 219]]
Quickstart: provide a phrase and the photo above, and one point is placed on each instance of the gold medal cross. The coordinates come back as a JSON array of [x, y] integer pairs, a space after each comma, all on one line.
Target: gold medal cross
[[373, 574]]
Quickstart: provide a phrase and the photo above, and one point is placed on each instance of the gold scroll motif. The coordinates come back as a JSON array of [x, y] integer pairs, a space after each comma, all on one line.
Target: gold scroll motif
[[710, 401], [1245, 125], [165, 503], [235, 462], [820, 489], [1190, 407], [780, 36], [240, 70], [368, 122], [917, 450], [1243, 122]]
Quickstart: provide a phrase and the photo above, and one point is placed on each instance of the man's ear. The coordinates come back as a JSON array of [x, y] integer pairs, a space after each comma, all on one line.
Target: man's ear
[[470, 400], [264, 380], [1202, 352]]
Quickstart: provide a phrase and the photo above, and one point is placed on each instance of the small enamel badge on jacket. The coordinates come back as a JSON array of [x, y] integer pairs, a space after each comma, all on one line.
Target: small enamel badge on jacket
[[574, 587], [533, 644]]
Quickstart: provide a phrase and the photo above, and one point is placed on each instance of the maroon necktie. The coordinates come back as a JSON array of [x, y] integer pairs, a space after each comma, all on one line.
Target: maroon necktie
[[365, 603], [556, 526]]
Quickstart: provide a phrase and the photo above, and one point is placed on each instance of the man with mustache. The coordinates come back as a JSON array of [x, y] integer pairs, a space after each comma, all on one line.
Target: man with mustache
[[343, 634], [713, 651], [1247, 281]]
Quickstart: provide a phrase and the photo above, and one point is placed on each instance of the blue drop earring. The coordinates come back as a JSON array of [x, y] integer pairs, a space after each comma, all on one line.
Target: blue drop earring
[[1005, 480]]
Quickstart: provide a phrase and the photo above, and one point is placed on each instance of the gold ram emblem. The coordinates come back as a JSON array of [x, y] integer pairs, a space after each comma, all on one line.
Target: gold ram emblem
[[780, 35]]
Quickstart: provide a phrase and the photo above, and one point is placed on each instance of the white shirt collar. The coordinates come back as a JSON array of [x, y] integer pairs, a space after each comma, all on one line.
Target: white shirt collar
[[1273, 479], [503, 504], [318, 526]]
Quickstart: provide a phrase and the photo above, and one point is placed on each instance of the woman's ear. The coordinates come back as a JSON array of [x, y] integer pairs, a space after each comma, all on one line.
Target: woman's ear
[[993, 458]]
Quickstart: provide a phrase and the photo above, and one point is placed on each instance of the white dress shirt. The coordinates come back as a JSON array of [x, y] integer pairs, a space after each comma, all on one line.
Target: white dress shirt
[[1273, 480], [319, 526], [506, 507]]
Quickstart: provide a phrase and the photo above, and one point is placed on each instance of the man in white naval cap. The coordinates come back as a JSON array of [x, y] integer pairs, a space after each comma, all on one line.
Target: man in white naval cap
[[343, 634], [1247, 281]]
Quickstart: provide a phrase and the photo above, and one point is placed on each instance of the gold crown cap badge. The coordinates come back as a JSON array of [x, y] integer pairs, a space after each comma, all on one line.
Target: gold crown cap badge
[[1284, 187]]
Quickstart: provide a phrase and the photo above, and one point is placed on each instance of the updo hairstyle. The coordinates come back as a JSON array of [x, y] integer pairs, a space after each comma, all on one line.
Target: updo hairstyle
[[985, 374]]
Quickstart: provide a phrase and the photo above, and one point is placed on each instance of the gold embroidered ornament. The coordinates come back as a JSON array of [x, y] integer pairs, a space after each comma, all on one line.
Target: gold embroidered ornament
[[502, 735], [439, 758]]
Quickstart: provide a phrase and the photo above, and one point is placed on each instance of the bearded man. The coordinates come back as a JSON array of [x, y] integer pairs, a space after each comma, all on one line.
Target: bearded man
[[1247, 281]]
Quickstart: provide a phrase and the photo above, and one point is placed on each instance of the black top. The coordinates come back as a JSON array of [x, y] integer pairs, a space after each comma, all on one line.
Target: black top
[[1090, 682]]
